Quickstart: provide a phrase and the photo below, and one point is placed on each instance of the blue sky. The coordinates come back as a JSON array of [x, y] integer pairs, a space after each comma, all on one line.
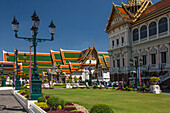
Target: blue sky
[[78, 23]]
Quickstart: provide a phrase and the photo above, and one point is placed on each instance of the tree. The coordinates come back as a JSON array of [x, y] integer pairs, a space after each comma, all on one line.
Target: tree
[[80, 78], [9, 74], [75, 79]]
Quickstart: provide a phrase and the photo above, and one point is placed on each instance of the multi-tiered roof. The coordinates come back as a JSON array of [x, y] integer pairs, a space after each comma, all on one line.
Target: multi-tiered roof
[[68, 61]]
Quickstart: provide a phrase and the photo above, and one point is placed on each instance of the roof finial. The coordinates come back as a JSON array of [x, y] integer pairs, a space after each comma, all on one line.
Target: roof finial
[[89, 45], [93, 44]]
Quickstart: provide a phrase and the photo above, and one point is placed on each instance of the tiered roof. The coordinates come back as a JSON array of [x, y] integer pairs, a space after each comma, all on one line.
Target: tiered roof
[[10, 67], [74, 60], [68, 61], [43, 60], [127, 13]]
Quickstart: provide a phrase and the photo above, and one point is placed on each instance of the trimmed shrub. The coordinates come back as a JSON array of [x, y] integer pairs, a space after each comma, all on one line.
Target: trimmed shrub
[[101, 108], [41, 99], [61, 103], [60, 84], [54, 102], [81, 84], [94, 86]]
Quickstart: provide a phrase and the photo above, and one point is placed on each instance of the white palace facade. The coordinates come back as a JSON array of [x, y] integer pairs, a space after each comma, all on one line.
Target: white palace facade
[[139, 31]]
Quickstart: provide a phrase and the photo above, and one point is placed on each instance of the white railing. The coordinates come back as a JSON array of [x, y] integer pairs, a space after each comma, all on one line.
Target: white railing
[[33, 108], [21, 99], [29, 105], [164, 77]]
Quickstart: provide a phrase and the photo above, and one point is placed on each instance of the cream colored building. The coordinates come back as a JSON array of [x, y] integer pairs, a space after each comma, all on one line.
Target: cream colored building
[[139, 31]]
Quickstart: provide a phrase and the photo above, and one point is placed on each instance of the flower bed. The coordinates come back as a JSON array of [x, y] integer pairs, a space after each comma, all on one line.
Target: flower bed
[[56, 105]]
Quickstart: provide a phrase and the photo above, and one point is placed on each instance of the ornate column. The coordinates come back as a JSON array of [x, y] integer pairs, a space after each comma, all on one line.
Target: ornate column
[[168, 58], [148, 57], [157, 27], [158, 56]]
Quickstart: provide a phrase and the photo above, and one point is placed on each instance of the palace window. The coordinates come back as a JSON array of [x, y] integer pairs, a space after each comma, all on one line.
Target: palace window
[[122, 40], [113, 43], [118, 63], [163, 57], [153, 58], [143, 32], [144, 59], [163, 25], [117, 42], [123, 60], [152, 29], [113, 63], [135, 34]]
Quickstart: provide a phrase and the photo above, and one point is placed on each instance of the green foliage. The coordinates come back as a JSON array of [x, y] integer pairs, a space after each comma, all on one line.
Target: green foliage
[[46, 80], [101, 108], [60, 84], [41, 99], [128, 89], [53, 80], [80, 78], [62, 103], [94, 86], [143, 88], [54, 102], [41, 104], [81, 84], [8, 85], [75, 79]]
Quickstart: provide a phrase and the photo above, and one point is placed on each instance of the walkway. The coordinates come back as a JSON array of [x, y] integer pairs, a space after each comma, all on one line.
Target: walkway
[[8, 103]]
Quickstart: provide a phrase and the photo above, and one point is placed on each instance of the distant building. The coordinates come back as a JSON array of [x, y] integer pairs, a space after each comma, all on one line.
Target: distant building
[[139, 30], [71, 62]]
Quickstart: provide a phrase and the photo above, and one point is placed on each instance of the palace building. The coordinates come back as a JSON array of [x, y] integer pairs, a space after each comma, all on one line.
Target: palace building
[[71, 62], [139, 31]]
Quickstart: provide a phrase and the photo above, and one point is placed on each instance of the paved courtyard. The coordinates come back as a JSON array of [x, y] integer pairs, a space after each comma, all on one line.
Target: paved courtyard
[[9, 103]]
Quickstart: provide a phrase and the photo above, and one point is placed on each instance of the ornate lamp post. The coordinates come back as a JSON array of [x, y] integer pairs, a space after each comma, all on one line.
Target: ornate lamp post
[[17, 82], [36, 82], [90, 74], [97, 77], [136, 66], [3, 80]]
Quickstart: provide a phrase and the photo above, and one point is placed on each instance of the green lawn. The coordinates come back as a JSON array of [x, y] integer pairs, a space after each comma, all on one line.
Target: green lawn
[[120, 101]]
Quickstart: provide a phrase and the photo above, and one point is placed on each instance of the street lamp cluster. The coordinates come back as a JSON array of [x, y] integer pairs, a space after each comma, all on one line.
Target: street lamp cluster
[[3, 79], [36, 82], [137, 65]]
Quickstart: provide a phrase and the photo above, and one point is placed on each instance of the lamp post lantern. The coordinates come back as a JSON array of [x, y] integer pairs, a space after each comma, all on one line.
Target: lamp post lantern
[[3, 80], [137, 65], [36, 82], [90, 74], [97, 77], [17, 82]]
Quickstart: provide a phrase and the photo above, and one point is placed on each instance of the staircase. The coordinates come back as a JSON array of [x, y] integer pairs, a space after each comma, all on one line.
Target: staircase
[[165, 77]]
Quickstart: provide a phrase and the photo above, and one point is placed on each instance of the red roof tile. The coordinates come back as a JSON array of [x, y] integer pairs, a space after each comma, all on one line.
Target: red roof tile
[[122, 10], [155, 7]]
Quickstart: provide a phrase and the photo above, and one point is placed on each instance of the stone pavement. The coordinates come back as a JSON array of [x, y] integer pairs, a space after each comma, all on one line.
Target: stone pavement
[[9, 104]]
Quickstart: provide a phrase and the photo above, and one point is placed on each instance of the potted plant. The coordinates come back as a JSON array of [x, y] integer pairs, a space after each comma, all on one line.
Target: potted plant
[[154, 88]]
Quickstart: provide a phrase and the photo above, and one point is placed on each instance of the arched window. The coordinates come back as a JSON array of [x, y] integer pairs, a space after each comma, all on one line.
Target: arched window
[[143, 32], [152, 29], [163, 25], [135, 34]]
